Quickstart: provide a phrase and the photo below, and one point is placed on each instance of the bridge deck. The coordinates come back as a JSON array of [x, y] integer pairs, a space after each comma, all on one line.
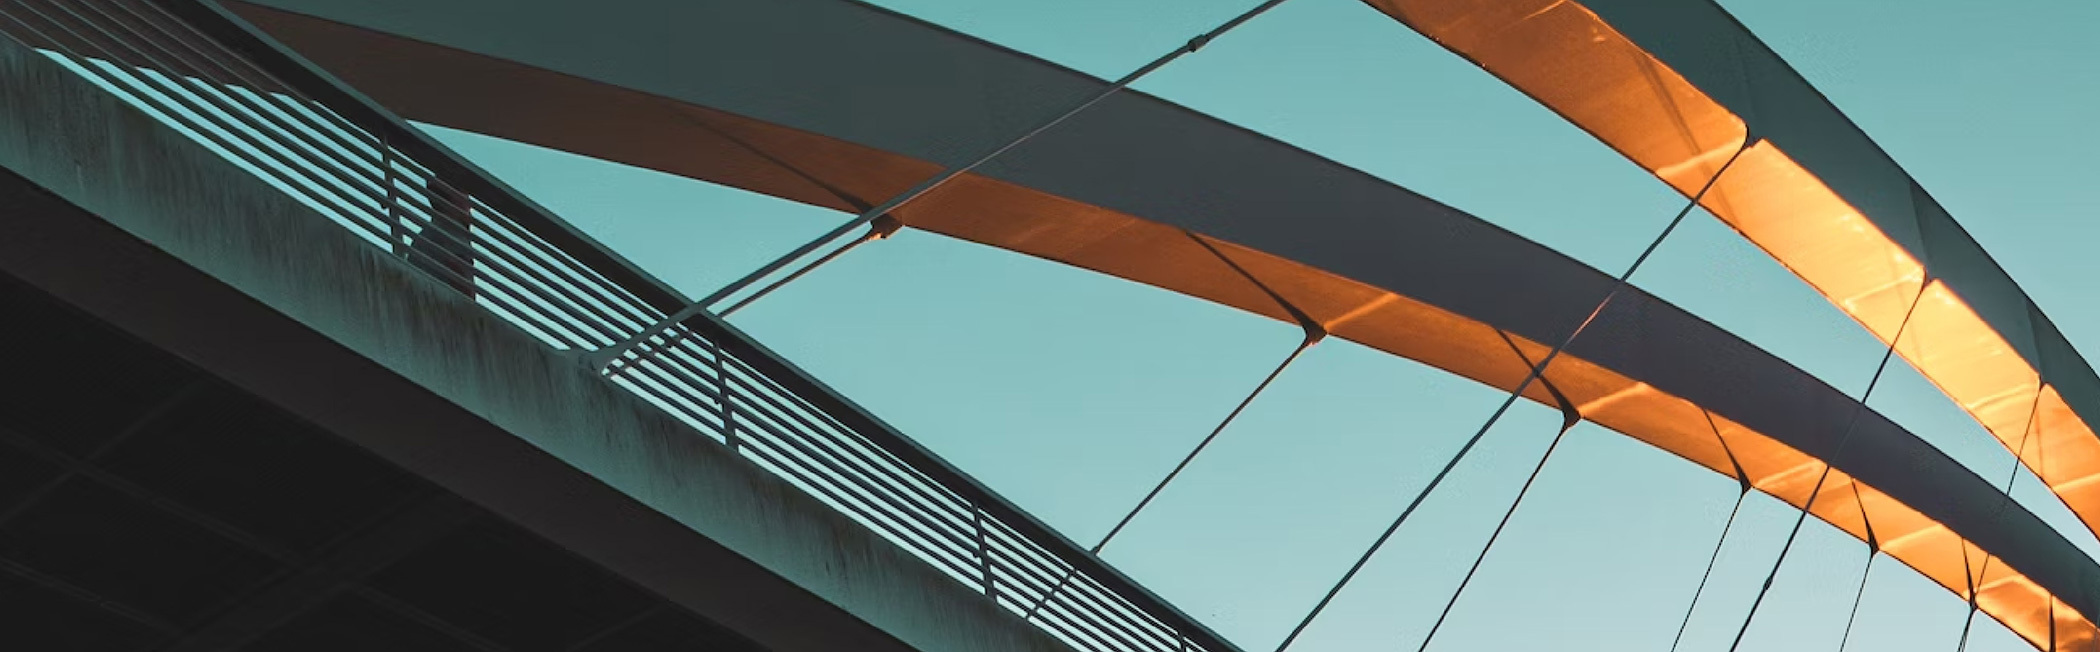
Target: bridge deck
[[139, 226]]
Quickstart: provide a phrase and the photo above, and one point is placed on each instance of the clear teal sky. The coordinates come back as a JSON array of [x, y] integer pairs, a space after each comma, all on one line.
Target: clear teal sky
[[1072, 393]]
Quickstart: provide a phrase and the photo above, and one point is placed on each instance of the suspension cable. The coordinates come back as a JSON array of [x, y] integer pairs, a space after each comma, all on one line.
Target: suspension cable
[[1617, 286], [1742, 480], [1873, 553], [2004, 504], [1314, 333], [1851, 425], [615, 351], [880, 228], [1570, 416], [883, 227], [1968, 578], [1858, 595]]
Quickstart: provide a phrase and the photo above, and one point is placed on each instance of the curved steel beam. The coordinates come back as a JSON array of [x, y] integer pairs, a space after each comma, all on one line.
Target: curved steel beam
[[871, 103], [1671, 83]]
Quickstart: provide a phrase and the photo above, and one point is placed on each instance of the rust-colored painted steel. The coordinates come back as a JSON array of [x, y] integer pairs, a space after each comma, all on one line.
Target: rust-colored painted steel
[[1371, 262], [1681, 82]]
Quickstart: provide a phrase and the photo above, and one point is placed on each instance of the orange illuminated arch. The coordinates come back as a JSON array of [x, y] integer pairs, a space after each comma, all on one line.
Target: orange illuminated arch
[[1120, 189]]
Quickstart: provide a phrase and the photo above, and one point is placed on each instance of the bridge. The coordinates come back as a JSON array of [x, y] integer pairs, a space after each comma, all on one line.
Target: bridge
[[294, 374]]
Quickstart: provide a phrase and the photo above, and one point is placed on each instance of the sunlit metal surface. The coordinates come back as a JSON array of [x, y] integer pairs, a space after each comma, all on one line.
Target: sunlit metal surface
[[195, 73], [1117, 189], [1668, 84]]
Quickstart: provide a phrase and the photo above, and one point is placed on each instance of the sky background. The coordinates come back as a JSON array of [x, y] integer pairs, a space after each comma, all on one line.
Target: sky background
[[1072, 393]]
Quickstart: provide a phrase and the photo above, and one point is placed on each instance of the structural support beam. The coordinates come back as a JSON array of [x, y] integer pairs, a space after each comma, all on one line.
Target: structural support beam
[[200, 258], [324, 578], [1108, 191]]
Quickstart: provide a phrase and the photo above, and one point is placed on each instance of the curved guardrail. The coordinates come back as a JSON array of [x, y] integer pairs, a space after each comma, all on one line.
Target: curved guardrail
[[202, 71]]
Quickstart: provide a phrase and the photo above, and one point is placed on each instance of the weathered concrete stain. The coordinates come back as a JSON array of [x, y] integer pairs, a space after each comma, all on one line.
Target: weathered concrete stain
[[91, 149]]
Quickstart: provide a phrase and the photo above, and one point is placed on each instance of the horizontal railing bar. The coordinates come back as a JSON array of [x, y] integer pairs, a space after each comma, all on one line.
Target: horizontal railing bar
[[685, 364], [203, 86], [232, 87], [285, 95], [542, 276], [547, 325], [874, 496], [627, 306], [655, 389], [1086, 599], [962, 562], [842, 483], [233, 33], [1028, 550], [848, 435], [600, 327], [1085, 589], [212, 134], [187, 102], [1079, 632], [802, 479], [577, 330], [953, 513]]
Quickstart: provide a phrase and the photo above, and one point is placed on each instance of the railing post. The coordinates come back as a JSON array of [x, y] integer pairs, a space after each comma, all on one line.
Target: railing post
[[433, 203], [723, 393], [449, 232], [984, 554], [397, 239]]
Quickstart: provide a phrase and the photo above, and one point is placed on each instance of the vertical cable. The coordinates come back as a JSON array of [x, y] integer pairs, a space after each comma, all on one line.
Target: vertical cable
[[1851, 425], [1438, 479], [1873, 553], [1311, 338], [1969, 620], [1314, 332], [1570, 416], [1742, 480], [1858, 596], [2013, 476], [615, 351]]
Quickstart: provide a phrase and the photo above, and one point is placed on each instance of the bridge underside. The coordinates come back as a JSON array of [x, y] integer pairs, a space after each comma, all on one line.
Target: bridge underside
[[183, 467], [1372, 261], [147, 504]]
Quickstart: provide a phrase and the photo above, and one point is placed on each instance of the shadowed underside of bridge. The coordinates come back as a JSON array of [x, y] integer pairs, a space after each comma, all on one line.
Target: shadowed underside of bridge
[[841, 105], [146, 504], [233, 424]]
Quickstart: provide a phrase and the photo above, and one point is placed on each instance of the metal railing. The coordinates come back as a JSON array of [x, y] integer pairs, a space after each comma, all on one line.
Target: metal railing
[[201, 70]]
